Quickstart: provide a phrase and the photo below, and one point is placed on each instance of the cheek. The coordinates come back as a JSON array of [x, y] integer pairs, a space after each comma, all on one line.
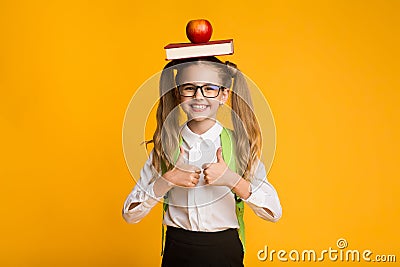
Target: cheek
[[214, 104], [184, 103], [183, 99]]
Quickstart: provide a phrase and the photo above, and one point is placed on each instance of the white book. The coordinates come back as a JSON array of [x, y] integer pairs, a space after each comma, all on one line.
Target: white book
[[188, 50]]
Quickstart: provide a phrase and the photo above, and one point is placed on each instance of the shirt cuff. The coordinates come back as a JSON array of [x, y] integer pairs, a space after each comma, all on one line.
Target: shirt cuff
[[258, 201], [255, 197], [147, 200]]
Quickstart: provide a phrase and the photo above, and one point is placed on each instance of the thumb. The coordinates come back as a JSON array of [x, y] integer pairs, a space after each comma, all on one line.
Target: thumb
[[180, 157], [219, 155]]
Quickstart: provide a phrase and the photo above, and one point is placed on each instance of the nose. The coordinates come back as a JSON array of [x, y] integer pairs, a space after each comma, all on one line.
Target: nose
[[198, 94]]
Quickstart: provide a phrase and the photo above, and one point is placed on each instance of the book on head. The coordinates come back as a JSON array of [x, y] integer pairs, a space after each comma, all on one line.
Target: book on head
[[189, 50]]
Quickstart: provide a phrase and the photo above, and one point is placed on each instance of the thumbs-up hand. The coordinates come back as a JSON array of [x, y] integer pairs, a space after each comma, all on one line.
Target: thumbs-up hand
[[183, 174], [218, 173]]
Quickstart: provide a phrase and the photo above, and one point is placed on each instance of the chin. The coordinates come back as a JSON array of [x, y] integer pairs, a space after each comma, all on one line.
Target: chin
[[199, 118]]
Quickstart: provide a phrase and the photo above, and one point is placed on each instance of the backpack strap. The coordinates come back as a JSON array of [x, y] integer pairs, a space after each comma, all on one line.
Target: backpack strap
[[227, 152]]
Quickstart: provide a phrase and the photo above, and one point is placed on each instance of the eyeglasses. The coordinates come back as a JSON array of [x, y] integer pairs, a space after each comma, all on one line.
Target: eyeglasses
[[207, 90]]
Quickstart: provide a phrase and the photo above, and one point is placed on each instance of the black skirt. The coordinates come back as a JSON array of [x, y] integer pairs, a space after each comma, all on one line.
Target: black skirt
[[202, 249]]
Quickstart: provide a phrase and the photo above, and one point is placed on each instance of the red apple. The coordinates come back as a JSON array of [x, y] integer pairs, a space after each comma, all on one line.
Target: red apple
[[199, 31]]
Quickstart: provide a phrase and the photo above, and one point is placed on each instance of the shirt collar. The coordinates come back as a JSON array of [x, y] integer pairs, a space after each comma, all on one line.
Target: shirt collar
[[192, 138]]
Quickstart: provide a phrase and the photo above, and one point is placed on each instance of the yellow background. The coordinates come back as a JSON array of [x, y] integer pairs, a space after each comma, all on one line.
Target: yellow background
[[68, 69]]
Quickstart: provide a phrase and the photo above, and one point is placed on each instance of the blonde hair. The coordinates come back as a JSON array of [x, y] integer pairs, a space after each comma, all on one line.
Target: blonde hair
[[246, 132]]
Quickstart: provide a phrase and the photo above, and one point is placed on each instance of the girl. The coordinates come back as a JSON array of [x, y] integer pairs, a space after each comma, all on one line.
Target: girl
[[189, 169]]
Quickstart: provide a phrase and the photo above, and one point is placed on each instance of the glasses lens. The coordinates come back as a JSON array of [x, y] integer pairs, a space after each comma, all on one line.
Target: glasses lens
[[187, 89], [211, 90]]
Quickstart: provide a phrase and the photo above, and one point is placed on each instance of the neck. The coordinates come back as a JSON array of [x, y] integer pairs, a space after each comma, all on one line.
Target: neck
[[200, 127]]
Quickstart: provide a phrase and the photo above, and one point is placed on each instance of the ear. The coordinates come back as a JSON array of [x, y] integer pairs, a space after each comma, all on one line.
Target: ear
[[224, 95]]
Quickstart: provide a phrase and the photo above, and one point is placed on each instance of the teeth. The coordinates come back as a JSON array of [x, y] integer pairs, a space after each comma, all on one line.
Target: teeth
[[199, 106]]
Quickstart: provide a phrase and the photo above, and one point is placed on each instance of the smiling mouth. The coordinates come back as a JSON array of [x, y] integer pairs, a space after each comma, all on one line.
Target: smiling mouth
[[198, 108]]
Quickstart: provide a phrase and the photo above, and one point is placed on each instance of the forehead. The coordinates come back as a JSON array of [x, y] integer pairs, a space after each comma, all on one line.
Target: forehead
[[199, 73]]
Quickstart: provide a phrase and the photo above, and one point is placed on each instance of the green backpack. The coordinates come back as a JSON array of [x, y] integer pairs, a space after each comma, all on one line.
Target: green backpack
[[227, 153]]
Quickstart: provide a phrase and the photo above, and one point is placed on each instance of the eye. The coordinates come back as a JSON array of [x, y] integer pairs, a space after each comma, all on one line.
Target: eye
[[211, 87], [188, 87]]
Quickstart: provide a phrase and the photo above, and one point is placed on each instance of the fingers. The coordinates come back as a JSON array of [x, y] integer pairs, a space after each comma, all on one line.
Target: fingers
[[207, 177], [192, 168], [208, 180], [195, 175], [206, 165], [196, 170], [194, 180]]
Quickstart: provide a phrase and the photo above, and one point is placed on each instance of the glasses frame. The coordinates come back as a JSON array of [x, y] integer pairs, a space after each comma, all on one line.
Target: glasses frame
[[201, 89]]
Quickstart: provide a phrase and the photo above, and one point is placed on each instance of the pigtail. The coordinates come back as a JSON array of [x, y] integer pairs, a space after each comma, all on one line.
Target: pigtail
[[247, 130], [166, 135]]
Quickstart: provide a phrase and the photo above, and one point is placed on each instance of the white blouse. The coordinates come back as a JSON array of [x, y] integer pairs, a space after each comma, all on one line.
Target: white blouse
[[204, 207]]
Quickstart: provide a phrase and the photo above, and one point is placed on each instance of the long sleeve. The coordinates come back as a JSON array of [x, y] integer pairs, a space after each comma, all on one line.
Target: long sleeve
[[263, 195], [142, 193]]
